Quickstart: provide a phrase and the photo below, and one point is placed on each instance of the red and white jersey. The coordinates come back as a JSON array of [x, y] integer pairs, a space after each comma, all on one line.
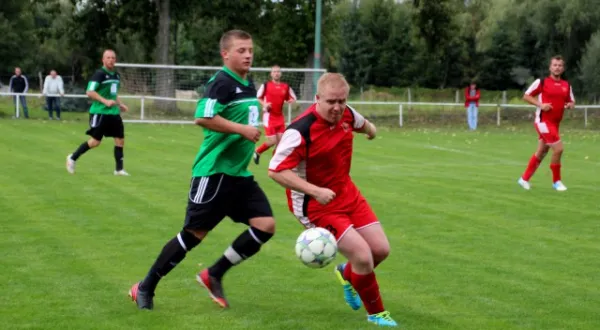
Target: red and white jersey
[[320, 153], [276, 94], [555, 92]]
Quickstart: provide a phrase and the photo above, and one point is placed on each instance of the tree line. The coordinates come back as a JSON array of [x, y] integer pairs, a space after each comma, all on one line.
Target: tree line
[[500, 44]]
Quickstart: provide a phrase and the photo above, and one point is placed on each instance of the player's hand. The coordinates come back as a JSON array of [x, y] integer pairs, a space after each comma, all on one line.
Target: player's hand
[[324, 196], [546, 106], [251, 133], [371, 131], [267, 106], [570, 105], [110, 103], [123, 107]]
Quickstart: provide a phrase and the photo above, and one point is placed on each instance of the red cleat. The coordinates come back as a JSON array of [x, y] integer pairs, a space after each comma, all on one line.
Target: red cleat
[[214, 287]]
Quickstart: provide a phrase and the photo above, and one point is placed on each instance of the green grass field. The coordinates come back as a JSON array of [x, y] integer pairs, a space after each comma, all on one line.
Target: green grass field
[[470, 248]]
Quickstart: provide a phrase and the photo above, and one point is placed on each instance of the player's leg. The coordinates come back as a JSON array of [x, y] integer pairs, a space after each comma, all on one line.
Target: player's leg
[[555, 165], [96, 132], [248, 204], [362, 276], [368, 226], [116, 129], [536, 158], [204, 211], [271, 137]]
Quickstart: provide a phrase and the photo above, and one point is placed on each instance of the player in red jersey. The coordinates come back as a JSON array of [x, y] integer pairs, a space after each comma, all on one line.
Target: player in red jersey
[[272, 95], [551, 95], [312, 161]]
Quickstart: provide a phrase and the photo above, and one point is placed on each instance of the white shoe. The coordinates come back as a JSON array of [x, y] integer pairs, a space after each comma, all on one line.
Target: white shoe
[[524, 184], [122, 173], [559, 186], [70, 164]]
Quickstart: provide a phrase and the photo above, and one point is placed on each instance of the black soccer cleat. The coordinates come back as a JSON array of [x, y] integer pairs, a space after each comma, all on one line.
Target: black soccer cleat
[[143, 299], [256, 157]]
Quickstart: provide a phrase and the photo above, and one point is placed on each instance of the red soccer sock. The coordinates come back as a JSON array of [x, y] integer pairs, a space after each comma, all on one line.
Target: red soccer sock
[[348, 271], [534, 163], [262, 148], [368, 289], [555, 172]]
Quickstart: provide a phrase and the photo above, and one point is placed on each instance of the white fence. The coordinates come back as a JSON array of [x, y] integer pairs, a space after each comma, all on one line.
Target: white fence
[[399, 107]]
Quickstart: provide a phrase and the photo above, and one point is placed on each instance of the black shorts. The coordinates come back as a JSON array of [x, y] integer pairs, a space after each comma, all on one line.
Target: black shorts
[[214, 197], [106, 125]]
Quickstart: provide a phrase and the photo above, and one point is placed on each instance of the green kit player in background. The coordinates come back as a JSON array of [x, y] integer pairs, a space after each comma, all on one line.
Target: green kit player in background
[[105, 113], [221, 184]]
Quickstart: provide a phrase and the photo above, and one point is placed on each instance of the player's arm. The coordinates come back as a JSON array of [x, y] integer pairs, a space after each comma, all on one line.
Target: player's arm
[[93, 85], [260, 95], [362, 125], [290, 151], [531, 94], [570, 99], [291, 95], [122, 106], [212, 104]]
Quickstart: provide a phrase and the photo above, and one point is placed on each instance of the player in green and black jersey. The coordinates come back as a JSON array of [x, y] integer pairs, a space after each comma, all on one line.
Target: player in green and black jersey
[[221, 184], [105, 113]]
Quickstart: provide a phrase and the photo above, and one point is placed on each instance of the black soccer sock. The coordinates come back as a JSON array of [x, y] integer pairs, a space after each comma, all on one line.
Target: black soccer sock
[[245, 246], [80, 151], [119, 158], [172, 254]]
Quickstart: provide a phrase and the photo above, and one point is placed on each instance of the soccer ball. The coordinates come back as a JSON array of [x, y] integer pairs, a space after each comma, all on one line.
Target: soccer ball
[[316, 247]]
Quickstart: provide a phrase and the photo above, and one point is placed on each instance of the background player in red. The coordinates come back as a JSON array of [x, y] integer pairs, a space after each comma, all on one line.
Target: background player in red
[[551, 95], [272, 95], [313, 162]]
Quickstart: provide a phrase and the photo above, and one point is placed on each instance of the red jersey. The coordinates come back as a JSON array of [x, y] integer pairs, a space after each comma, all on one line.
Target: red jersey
[[555, 92], [276, 94], [320, 153]]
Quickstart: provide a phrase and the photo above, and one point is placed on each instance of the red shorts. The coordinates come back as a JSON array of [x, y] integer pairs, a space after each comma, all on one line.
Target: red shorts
[[273, 125], [360, 215], [548, 132]]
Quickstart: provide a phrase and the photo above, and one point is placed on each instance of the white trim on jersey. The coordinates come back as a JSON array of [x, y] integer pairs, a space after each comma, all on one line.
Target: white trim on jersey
[[292, 94], [571, 93], [260, 92], [359, 120], [290, 140], [533, 87]]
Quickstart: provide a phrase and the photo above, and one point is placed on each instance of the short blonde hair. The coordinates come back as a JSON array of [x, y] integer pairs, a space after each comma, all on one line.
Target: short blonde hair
[[331, 79]]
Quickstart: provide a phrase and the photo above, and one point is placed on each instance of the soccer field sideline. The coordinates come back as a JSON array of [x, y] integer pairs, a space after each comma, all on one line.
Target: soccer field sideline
[[470, 248]]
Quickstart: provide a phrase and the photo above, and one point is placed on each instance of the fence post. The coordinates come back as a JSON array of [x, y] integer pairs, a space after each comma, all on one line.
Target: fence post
[[18, 105], [142, 108], [498, 115], [401, 120], [456, 97], [289, 115], [585, 124]]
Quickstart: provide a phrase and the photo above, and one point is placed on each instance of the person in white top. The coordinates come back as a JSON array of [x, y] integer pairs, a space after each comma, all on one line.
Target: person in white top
[[53, 87]]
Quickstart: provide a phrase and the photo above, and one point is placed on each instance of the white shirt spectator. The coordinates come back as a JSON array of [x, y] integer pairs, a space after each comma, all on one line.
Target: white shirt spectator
[[53, 85]]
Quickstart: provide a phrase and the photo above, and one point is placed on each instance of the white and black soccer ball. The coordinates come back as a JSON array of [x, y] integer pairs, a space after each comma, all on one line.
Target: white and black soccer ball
[[316, 247]]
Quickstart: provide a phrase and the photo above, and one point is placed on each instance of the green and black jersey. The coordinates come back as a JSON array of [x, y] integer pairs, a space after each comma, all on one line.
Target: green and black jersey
[[234, 99], [107, 84]]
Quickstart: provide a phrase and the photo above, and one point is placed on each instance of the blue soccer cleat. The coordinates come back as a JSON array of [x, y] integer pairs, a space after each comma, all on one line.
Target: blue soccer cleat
[[382, 319], [350, 295]]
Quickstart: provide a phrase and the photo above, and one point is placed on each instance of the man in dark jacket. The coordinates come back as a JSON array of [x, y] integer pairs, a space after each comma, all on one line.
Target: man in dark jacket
[[19, 84]]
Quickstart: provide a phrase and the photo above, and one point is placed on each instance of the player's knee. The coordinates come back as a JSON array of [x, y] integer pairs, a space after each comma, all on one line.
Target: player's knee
[[188, 239], [120, 142], [380, 253], [362, 260], [93, 143], [196, 233], [266, 224]]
